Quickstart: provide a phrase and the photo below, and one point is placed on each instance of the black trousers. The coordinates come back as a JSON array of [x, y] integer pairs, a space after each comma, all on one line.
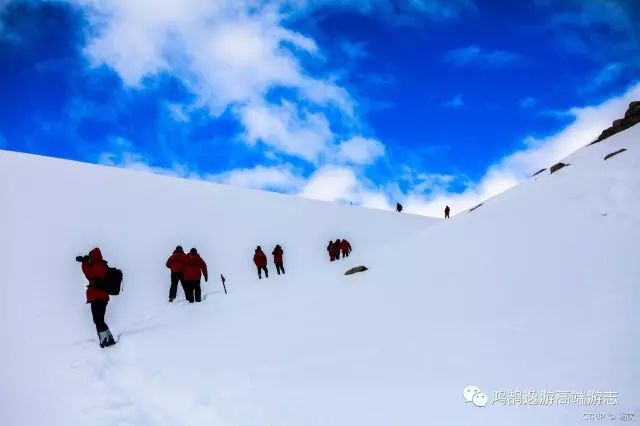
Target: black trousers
[[279, 267], [176, 277], [345, 254], [98, 309], [192, 291], [338, 255], [266, 271]]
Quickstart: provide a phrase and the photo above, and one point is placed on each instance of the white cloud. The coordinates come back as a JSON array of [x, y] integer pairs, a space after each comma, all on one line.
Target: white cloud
[[359, 150], [284, 127], [342, 184], [606, 75], [121, 153], [278, 178], [476, 56], [230, 53]]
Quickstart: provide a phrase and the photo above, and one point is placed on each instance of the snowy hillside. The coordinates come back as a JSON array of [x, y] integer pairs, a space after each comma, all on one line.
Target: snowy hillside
[[537, 289]]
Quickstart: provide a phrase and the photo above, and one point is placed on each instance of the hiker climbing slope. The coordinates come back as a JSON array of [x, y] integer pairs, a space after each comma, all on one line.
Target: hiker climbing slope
[[194, 269], [277, 258], [260, 260], [94, 268], [175, 263]]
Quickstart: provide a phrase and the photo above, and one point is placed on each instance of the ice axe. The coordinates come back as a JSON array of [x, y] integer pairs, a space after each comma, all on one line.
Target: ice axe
[[223, 281]]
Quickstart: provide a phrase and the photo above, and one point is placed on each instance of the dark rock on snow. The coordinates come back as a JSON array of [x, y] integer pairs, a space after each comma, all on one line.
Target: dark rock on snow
[[557, 167], [473, 208], [606, 157], [538, 172], [356, 270], [631, 118]]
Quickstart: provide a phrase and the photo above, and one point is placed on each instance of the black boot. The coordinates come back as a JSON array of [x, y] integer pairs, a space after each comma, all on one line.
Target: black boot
[[106, 339]]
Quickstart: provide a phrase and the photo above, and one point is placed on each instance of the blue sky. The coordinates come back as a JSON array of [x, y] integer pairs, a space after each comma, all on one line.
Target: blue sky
[[426, 102]]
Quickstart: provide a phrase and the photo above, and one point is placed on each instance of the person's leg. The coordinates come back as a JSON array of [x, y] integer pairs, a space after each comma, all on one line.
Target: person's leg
[[266, 272], [188, 290], [259, 272], [198, 291], [98, 310], [278, 268], [282, 267], [173, 290]]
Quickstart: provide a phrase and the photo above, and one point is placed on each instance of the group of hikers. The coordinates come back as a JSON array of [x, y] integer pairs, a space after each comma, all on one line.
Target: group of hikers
[[338, 246], [260, 260], [186, 269], [447, 210]]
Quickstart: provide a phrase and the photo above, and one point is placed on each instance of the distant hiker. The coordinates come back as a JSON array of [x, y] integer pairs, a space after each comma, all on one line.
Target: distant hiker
[[336, 248], [446, 212], [260, 259], [345, 247], [398, 207], [176, 264], [277, 258], [194, 269], [94, 268], [331, 248]]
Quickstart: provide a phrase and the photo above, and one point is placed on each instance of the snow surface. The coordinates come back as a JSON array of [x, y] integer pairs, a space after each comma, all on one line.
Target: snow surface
[[535, 290]]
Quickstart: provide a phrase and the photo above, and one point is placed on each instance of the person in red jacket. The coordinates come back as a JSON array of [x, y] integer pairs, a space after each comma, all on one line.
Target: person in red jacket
[[194, 269], [175, 263], [277, 258], [331, 248], [336, 248], [260, 259], [345, 247], [94, 268], [446, 212]]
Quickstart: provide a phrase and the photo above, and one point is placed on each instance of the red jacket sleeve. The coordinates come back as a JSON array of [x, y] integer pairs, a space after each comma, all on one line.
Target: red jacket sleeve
[[203, 267]]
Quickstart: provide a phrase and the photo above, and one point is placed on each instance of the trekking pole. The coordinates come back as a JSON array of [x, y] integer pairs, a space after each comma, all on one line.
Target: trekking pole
[[223, 286]]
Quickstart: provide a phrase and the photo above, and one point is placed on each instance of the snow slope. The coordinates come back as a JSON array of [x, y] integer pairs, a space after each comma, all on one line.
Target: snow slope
[[535, 290]]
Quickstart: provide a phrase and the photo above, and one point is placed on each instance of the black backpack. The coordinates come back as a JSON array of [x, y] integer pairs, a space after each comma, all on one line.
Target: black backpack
[[112, 283]]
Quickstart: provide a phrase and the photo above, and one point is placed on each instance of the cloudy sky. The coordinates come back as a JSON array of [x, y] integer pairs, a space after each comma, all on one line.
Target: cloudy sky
[[425, 102]]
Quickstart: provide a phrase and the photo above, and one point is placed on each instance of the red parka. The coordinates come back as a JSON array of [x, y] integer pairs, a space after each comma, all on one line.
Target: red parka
[[277, 255], [259, 258], [94, 270], [345, 246], [331, 248], [176, 261], [194, 268]]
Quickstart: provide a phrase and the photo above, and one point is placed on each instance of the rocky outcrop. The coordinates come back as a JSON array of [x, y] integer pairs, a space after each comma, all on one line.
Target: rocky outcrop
[[631, 118], [606, 157], [557, 167], [356, 270], [473, 208]]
